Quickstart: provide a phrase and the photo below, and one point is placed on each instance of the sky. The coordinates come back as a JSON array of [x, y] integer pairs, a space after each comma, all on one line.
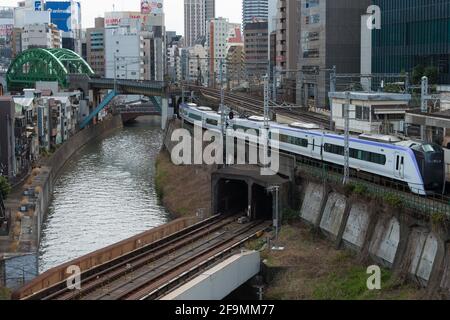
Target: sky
[[231, 9]]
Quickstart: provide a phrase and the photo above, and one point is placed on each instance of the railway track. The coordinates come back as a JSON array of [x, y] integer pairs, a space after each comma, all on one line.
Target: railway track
[[254, 106], [139, 273]]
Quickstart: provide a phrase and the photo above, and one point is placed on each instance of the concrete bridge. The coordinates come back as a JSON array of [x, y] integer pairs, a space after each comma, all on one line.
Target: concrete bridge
[[131, 112], [158, 92]]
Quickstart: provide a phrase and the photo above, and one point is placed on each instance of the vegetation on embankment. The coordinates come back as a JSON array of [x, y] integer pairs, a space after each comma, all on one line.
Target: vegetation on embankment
[[183, 190], [317, 271], [5, 187]]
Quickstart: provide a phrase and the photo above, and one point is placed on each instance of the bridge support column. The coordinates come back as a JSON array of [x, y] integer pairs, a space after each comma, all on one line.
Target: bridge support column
[[166, 112]]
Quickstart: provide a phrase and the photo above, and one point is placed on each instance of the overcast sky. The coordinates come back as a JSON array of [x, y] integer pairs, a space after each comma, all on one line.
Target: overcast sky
[[231, 9]]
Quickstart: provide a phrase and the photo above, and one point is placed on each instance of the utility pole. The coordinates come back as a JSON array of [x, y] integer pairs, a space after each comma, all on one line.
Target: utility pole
[[332, 89], [275, 190], [266, 102], [222, 100], [347, 139], [115, 72], [274, 84], [424, 106]]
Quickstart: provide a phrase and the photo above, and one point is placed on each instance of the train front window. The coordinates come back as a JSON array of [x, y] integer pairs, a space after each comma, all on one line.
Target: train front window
[[428, 148]]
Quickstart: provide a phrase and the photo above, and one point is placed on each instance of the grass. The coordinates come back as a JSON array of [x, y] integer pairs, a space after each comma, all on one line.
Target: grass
[[320, 272], [5, 293], [160, 178], [183, 190]]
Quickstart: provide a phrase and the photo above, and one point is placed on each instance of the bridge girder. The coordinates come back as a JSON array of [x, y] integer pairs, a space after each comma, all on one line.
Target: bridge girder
[[41, 64]]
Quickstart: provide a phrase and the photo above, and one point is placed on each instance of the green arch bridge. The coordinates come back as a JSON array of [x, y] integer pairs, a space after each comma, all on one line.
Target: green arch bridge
[[45, 65]]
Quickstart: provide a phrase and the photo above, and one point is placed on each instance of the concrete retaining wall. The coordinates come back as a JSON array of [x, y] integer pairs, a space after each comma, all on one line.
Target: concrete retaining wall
[[386, 236], [45, 178], [219, 281]]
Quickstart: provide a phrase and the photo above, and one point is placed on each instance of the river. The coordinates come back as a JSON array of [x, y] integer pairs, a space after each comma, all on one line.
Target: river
[[104, 194]]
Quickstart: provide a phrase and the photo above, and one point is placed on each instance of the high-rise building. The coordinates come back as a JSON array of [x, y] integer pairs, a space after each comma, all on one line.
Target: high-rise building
[[7, 138], [6, 36], [235, 65], [254, 11], [124, 54], [196, 15], [216, 45], [95, 47], [40, 36], [220, 36], [330, 36], [256, 47], [413, 33], [286, 56], [151, 51], [210, 9], [194, 21], [66, 15]]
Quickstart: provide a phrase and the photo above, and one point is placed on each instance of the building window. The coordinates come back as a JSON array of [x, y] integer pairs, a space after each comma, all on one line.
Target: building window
[[362, 113], [311, 3], [313, 19]]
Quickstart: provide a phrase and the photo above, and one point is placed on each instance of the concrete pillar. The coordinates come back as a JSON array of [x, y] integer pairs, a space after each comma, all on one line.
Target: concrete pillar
[[164, 112], [249, 199], [340, 235]]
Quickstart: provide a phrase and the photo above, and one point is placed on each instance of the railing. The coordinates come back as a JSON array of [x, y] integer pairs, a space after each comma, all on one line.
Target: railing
[[145, 84], [384, 190], [137, 110]]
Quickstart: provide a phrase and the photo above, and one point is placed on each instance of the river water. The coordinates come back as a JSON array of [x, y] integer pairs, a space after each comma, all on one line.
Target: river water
[[104, 194]]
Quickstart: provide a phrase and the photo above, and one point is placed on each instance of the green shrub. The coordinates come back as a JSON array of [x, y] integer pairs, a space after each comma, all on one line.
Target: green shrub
[[438, 218], [5, 187], [289, 215], [360, 189], [394, 200]]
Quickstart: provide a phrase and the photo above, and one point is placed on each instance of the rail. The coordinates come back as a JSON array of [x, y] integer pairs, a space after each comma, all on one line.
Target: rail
[[255, 106], [55, 278], [154, 266]]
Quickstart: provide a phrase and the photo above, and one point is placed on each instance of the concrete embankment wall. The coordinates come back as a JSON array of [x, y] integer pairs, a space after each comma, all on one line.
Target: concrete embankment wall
[[42, 181], [413, 246]]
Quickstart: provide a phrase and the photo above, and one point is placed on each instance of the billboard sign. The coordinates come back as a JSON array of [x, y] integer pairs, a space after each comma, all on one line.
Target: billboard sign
[[6, 30], [61, 14], [38, 5], [151, 6]]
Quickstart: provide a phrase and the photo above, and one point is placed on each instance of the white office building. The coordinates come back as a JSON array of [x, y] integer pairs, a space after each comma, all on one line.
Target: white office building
[[40, 36], [124, 54]]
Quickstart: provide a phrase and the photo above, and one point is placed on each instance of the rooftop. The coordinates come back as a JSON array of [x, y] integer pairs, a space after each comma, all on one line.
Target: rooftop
[[371, 96]]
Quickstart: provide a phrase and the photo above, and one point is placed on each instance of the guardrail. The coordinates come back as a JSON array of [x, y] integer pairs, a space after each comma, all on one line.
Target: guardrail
[[158, 85]]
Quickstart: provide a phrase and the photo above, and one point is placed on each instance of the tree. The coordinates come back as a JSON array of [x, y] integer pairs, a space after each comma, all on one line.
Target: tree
[[417, 74], [432, 73], [5, 187]]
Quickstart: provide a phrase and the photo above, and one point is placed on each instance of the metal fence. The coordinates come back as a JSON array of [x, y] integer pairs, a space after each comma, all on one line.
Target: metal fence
[[384, 190]]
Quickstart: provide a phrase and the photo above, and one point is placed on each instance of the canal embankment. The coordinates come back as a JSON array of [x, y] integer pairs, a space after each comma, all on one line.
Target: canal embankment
[[332, 234], [28, 205], [184, 190]]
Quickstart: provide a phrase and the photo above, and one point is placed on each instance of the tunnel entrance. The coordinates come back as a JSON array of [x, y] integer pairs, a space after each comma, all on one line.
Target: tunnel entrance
[[232, 197], [262, 204]]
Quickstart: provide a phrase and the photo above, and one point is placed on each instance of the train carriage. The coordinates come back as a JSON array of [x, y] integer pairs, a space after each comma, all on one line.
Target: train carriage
[[418, 165]]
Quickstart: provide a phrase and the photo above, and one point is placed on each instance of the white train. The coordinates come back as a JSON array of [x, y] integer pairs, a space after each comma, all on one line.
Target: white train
[[420, 166]]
